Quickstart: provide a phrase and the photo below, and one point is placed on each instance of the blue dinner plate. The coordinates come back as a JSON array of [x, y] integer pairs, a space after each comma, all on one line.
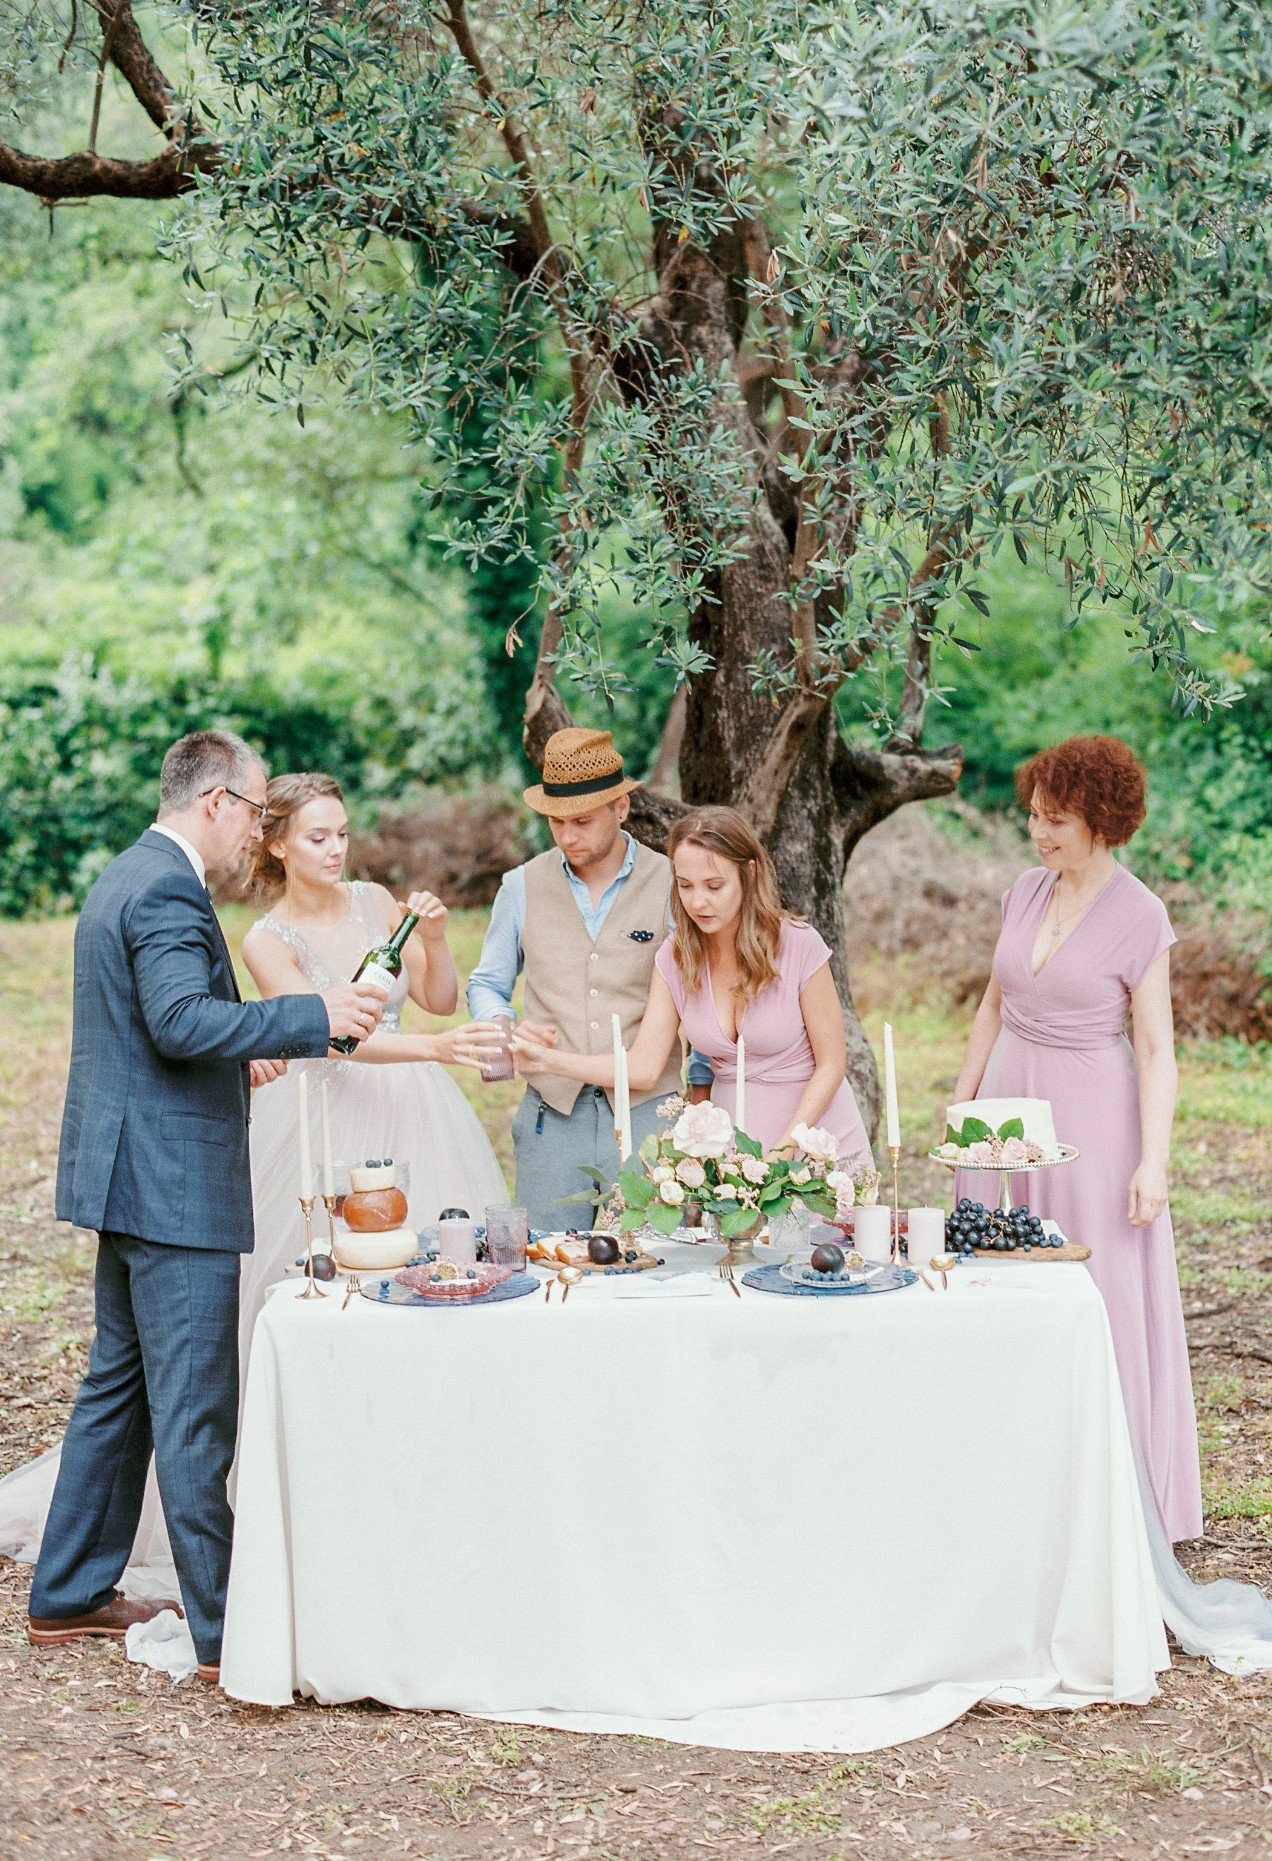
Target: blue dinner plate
[[770, 1279], [388, 1292]]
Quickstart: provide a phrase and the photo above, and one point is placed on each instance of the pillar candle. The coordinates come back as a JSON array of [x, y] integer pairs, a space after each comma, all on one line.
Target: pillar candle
[[925, 1234], [328, 1178], [890, 1090], [622, 1094], [306, 1160], [739, 1115]]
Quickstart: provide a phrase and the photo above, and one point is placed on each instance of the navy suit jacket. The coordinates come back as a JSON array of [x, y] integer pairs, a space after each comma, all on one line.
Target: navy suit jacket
[[154, 1132]]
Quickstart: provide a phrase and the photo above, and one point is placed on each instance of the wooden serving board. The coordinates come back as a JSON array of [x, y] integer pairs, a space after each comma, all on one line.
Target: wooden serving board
[[1071, 1250], [589, 1266]]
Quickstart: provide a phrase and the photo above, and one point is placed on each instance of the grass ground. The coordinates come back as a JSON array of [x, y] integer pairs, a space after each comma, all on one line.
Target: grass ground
[[100, 1759]]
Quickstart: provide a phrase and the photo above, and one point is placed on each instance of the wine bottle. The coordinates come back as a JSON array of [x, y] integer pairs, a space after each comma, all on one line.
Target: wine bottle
[[382, 967]]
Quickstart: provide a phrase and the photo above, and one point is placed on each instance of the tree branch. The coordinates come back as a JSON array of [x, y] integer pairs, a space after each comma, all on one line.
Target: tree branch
[[74, 177], [870, 785], [163, 177]]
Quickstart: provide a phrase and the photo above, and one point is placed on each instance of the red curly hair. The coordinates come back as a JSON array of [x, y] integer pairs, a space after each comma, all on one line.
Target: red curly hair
[[1098, 778]]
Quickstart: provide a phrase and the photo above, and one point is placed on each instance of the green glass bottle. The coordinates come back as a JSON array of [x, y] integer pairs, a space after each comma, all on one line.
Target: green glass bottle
[[381, 966]]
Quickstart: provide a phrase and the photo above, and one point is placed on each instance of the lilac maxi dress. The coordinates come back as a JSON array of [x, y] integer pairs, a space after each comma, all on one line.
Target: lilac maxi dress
[[1063, 1038], [779, 1058]]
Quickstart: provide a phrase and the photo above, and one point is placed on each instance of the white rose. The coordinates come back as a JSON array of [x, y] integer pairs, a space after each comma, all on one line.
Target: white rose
[[726, 1192], [704, 1130], [844, 1188], [817, 1145], [800, 1177], [671, 1193], [663, 1173], [755, 1169], [691, 1173]]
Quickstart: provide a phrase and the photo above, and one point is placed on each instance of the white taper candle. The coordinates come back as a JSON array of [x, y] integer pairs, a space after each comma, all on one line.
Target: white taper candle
[[306, 1159], [890, 1090], [622, 1095], [328, 1176]]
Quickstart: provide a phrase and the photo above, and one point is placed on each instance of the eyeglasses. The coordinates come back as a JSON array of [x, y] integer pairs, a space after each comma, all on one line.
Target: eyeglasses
[[258, 807]]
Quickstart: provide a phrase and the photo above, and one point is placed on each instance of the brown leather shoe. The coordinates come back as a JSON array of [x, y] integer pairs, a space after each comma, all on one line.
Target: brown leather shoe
[[114, 1620], [210, 1671]]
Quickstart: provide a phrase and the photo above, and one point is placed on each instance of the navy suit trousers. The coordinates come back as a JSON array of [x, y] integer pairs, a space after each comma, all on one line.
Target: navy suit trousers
[[163, 1372]]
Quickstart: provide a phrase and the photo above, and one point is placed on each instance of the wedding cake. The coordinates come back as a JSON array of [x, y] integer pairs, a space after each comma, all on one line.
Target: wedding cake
[[996, 1134]]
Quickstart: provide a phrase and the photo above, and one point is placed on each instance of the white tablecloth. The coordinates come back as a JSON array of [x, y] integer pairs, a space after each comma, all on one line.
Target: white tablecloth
[[767, 1523]]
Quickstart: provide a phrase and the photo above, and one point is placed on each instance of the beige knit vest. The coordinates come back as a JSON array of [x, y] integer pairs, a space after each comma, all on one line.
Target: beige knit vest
[[577, 985]]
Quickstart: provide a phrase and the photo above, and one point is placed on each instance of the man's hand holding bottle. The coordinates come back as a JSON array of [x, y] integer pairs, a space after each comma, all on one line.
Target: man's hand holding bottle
[[353, 1009]]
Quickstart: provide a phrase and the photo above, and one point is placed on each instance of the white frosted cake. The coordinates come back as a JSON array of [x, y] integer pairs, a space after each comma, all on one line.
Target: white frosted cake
[[1000, 1133]]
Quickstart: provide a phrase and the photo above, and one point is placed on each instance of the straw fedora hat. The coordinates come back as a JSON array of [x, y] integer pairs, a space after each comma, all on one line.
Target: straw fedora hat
[[581, 770]]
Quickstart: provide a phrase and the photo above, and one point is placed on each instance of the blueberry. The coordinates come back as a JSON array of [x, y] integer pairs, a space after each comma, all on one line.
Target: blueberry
[[472, 1273], [661, 1261], [435, 1278], [631, 1255]]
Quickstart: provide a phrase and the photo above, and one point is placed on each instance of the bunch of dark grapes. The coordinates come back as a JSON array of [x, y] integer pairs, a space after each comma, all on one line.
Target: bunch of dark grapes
[[972, 1226]]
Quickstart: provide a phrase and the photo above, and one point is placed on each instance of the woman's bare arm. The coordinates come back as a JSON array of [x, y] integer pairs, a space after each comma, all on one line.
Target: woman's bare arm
[[275, 971], [824, 1023], [980, 1042], [430, 967], [646, 1060], [1153, 1037]]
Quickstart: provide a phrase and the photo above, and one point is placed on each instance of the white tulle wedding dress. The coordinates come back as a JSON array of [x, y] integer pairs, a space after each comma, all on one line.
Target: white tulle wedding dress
[[411, 1111]]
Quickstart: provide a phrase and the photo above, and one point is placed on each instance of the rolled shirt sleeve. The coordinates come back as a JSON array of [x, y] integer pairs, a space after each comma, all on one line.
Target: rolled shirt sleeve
[[491, 983]]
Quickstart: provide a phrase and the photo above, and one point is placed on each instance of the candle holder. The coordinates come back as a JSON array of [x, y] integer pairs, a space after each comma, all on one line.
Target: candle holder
[[312, 1289], [329, 1203], [894, 1151]]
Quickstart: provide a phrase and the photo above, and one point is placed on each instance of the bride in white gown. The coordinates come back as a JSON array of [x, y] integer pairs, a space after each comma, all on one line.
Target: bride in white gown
[[392, 1098]]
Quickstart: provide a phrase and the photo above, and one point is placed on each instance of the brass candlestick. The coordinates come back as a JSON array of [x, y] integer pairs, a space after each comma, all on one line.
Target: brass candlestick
[[329, 1203], [894, 1151], [312, 1288]]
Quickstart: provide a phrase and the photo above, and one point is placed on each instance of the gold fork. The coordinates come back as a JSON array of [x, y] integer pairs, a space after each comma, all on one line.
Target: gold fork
[[352, 1284]]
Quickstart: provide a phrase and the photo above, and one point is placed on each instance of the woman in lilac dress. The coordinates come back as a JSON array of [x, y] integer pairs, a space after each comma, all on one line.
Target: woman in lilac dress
[[1084, 945], [737, 964]]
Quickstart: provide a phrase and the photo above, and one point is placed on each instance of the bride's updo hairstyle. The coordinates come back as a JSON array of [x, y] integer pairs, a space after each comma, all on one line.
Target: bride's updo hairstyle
[[285, 796], [723, 831], [1097, 778]]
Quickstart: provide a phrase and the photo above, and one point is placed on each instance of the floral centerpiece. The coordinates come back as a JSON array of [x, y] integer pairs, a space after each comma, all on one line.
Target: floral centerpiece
[[700, 1156]]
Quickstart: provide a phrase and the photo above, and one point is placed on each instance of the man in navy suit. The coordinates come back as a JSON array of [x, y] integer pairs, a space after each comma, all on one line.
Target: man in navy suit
[[154, 1156]]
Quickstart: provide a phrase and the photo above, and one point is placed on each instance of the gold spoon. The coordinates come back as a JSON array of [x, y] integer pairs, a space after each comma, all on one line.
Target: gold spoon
[[569, 1276], [941, 1263]]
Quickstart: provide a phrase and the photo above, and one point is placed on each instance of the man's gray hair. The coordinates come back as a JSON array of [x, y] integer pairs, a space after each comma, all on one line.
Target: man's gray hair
[[203, 760]]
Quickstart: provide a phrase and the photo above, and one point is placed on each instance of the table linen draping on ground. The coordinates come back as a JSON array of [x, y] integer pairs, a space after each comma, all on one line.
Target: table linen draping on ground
[[706, 1520]]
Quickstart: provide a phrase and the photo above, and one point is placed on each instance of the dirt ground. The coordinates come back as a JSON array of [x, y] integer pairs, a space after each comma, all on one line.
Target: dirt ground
[[102, 1759]]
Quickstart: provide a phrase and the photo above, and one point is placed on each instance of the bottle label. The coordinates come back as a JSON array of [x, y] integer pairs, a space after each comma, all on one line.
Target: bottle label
[[378, 976]]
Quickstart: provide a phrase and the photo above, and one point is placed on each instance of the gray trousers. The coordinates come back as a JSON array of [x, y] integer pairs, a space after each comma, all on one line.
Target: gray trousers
[[550, 1148]]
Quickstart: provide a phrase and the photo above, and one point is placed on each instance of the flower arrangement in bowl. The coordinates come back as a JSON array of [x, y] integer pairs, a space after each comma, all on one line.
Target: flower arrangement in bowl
[[699, 1156]]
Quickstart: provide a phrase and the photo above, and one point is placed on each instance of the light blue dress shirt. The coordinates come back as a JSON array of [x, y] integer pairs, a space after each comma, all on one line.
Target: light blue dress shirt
[[491, 984]]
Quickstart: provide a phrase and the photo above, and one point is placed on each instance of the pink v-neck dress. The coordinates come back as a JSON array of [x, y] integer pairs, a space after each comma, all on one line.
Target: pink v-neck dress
[[1063, 1038], [779, 1058]]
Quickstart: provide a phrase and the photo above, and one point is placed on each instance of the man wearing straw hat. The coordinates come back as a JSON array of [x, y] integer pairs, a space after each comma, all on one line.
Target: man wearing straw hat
[[584, 921]]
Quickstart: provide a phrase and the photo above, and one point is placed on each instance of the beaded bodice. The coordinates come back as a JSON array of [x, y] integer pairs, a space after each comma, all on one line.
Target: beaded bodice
[[329, 953]]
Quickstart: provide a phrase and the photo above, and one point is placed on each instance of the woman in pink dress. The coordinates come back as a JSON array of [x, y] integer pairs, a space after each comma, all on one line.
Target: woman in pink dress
[[737, 964], [1084, 944]]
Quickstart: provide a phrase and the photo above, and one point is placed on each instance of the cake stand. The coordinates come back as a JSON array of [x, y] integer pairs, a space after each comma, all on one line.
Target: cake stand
[[1068, 1154]]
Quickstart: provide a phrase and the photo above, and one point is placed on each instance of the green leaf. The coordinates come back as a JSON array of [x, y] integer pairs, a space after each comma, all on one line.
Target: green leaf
[[737, 1222], [636, 1191], [974, 1132], [647, 1150], [662, 1219], [631, 1220], [1014, 1127], [747, 1146]]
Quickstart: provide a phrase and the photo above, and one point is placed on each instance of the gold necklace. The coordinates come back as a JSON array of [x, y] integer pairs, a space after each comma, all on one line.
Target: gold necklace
[[1076, 912]]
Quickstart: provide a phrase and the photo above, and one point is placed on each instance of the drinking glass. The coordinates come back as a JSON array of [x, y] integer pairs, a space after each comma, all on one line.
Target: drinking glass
[[507, 1235], [499, 1065]]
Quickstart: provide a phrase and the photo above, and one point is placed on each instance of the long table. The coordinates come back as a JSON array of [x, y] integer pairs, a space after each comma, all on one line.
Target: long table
[[762, 1523]]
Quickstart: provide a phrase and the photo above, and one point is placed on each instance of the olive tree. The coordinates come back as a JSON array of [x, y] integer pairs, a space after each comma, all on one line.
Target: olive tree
[[793, 312]]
